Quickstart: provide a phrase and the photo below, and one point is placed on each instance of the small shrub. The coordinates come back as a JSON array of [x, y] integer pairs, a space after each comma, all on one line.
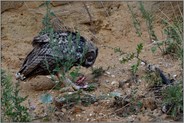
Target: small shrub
[[97, 72], [153, 79], [173, 97], [12, 110], [130, 56]]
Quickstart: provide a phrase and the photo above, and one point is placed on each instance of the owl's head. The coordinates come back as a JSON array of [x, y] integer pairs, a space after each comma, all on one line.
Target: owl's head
[[91, 55]]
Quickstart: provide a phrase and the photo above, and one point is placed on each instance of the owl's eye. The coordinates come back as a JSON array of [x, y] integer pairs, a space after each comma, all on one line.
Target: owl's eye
[[90, 59], [90, 56]]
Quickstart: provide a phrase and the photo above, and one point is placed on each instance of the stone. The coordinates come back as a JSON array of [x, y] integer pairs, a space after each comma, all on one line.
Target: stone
[[115, 84]]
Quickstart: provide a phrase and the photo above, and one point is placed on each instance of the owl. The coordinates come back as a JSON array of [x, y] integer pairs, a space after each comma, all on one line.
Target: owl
[[59, 49]]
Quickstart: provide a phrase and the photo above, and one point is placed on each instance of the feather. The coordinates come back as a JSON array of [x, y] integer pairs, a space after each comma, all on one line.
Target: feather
[[57, 50]]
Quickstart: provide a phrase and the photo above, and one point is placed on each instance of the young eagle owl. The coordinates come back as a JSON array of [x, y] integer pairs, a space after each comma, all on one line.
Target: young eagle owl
[[62, 49]]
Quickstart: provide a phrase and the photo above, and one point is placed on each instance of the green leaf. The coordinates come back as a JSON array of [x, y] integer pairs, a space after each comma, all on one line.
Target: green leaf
[[134, 67], [139, 48], [52, 14], [91, 87], [46, 98], [153, 49]]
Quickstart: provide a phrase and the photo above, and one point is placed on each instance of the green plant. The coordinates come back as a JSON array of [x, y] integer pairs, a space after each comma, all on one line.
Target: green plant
[[149, 18], [173, 31], [48, 28], [129, 105], [173, 97], [172, 45], [136, 23], [173, 42], [97, 72], [11, 102], [153, 78], [130, 56]]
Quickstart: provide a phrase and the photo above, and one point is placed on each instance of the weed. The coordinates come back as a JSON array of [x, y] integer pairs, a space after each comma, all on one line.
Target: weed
[[153, 78], [128, 105], [136, 23], [171, 45], [130, 56], [97, 72], [48, 28], [173, 96], [149, 21], [75, 73], [12, 110], [173, 31], [173, 42]]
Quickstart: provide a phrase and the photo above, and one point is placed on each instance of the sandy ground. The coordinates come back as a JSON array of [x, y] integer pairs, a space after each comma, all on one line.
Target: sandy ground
[[112, 28]]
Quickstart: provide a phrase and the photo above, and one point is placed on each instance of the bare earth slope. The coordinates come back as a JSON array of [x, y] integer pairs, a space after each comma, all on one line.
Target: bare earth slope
[[112, 27]]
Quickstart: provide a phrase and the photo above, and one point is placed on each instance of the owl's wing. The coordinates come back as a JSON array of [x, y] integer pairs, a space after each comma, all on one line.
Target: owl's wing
[[34, 60], [41, 39]]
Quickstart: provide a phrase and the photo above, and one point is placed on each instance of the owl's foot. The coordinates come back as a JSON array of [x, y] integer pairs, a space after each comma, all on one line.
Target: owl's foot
[[75, 87], [80, 81]]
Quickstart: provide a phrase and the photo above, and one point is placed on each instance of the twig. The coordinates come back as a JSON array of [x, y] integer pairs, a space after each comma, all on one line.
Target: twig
[[164, 14], [107, 12], [121, 109], [41, 117], [85, 6]]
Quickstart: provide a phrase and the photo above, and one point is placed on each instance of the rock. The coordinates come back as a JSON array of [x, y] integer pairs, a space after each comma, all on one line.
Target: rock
[[112, 76], [96, 104], [108, 72], [107, 81], [63, 110], [143, 63], [174, 76], [115, 84], [127, 85], [42, 83]]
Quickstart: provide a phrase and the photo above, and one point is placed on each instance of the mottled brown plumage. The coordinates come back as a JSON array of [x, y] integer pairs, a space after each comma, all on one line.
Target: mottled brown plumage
[[61, 50]]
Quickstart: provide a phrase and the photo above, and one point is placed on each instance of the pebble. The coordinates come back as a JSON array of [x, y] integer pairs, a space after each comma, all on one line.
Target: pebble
[[113, 76], [142, 63], [107, 81], [78, 115], [164, 109], [108, 72], [96, 103], [91, 114], [174, 76], [87, 119], [63, 110], [127, 85], [101, 114], [115, 84]]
